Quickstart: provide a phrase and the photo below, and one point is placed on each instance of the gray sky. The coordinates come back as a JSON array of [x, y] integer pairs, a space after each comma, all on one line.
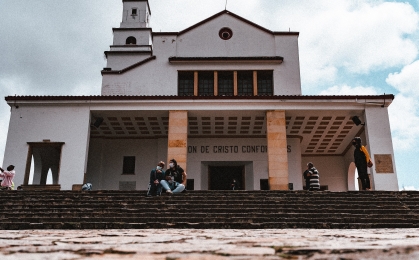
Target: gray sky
[[50, 47]]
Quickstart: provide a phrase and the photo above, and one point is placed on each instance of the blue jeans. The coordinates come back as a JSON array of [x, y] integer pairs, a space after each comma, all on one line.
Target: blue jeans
[[175, 187]]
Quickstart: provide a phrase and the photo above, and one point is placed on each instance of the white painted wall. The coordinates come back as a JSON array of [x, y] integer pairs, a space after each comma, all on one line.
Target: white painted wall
[[287, 80], [247, 40], [104, 168], [159, 77], [69, 124], [121, 61], [140, 20], [143, 36], [207, 151], [294, 163], [379, 142], [332, 171]]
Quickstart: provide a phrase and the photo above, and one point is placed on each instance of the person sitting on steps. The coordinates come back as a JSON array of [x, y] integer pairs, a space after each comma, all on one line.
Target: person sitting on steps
[[156, 176], [175, 178]]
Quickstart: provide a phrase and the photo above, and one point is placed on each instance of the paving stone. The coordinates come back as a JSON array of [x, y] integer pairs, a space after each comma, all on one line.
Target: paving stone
[[246, 251], [191, 244]]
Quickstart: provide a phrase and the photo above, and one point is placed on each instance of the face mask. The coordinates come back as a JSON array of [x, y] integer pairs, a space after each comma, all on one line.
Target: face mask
[[171, 165], [159, 168]]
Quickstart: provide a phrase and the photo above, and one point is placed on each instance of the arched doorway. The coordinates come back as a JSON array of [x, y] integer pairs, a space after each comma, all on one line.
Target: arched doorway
[[352, 177], [43, 163]]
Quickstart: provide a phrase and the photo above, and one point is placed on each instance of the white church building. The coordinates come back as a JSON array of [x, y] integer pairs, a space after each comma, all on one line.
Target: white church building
[[223, 97]]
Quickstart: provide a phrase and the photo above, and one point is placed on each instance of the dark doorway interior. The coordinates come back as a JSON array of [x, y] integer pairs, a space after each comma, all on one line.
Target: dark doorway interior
[[221, 177]]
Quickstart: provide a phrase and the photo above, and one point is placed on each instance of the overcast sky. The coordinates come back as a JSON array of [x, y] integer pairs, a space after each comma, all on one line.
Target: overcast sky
[[348, 47]]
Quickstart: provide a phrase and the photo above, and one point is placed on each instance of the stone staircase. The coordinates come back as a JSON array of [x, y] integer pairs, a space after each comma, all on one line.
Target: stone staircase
[[208, 210]]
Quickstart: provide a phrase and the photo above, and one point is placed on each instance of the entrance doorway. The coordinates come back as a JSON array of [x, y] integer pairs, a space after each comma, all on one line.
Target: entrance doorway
[[46, 158], [221, 177]]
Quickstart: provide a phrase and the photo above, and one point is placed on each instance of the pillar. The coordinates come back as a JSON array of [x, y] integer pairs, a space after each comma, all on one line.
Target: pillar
[[277, 150], [177, 146], [380, 146]]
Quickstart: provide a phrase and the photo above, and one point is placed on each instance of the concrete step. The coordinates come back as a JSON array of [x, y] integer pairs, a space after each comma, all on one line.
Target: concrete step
[[202, 225], [208, 209]]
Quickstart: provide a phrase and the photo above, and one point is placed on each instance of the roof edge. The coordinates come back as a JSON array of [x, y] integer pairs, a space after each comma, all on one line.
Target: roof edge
[[104, 71], [383, 97]]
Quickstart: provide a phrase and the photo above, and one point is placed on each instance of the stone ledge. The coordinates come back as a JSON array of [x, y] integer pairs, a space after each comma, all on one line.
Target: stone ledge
[[47, 187]]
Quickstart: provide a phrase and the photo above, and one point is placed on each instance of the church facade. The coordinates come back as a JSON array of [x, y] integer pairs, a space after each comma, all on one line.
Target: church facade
[[222, 97]]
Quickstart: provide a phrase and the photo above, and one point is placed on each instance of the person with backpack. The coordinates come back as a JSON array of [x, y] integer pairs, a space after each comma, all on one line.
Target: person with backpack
[[175, 178], [362, 162]]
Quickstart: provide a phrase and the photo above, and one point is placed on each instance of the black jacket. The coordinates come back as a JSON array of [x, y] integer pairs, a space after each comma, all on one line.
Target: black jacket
[[176, 173]]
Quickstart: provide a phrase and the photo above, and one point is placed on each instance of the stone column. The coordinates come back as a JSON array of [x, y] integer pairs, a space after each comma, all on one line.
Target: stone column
[[178, 137], [276, 132]]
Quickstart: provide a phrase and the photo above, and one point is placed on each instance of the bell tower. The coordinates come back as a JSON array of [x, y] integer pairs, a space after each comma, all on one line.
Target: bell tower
[[135, 14], [132, 41]]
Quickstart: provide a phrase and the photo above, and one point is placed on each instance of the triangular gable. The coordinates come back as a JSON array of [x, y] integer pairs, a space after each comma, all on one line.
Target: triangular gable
[[220, 14]]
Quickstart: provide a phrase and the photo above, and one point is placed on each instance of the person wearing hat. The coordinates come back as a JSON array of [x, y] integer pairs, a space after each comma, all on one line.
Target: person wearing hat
[[7, 176], [362, 162]]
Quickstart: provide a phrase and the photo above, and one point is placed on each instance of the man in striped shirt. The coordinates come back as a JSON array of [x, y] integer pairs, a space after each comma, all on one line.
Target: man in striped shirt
[[313, 175]]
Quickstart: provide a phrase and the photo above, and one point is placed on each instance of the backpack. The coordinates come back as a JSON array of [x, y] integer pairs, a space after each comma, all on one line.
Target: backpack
[[86, 186]]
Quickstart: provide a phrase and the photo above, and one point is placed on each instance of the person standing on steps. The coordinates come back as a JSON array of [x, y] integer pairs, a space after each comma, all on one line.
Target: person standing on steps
[[362, 162], [7, 175], [314, 177], [234, 185], [307, 178], [175, 178]]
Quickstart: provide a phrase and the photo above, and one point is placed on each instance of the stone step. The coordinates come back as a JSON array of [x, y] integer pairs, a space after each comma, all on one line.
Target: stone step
[[202, 225], [222, 217], [200, 208], [219, 219], [208, 209], [180, 198], [314, 203]]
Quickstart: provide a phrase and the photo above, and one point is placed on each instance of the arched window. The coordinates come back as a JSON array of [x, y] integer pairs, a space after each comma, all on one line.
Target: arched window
[[131, 40]]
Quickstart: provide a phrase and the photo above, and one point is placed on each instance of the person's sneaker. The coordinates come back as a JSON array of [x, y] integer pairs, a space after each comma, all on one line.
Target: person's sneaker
[[169, 191]]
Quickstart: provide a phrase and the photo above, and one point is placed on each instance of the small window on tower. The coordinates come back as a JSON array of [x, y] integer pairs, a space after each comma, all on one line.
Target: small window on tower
[[134, 11], [131, 40]]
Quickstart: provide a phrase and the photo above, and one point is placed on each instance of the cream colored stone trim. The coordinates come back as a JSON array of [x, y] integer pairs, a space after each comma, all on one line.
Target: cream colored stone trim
[[277, 150], [177, 146], [195, 83], [235, 83], [255, 83]]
